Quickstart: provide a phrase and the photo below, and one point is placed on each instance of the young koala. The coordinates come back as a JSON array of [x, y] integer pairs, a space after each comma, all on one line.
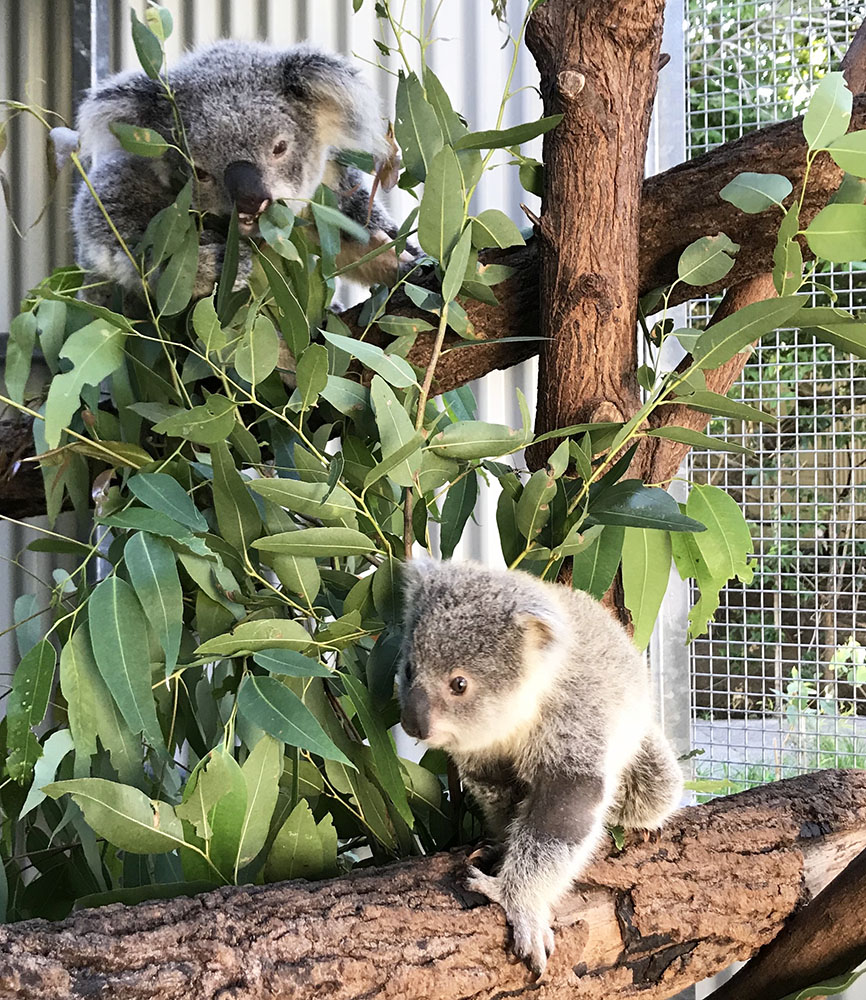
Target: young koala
[[544, 705], [261, 124]]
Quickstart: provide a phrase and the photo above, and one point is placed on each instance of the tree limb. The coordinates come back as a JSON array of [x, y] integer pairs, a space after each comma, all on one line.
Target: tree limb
[[826, 939], [720, 881]]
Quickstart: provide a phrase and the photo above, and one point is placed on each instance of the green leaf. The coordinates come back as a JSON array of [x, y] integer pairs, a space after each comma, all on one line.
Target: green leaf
[[396, 431], [153, 574], [19, 355], [646, 566], [838, 233], [297, 850], [147, 47], [229, 270], [258, 635], [393, 369], [289, 663], [452, 126], [787, 255], [236, 511], [292, 318], [533, 507], [631, 504], [56, 747], [346, 396], [829, 113], [93, 713], [416, 126], [441, 216], [270, 705], [96, 350], [401, 456], [123, 815], [492, 228], [257, 354], [118, 635], [207, 424], [596, 559], [685, 435], [504, 138], [327, 215], [469, 439], [457, 264], [28, 702], [829, 987], [384, 755], [712, 402], [531, 176], [164, 493], [721, 341], [456, 511], [312, 375], [155, 522], [727, 543], [323, 543], [849, 152], [753, 193], [835, 327], [308, 499], [402, 326], [139, 140], [707, 260], [175, 285], [261, 772], [275, 225]]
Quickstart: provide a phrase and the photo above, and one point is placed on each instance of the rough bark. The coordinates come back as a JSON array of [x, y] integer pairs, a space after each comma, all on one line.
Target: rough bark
[[598, 65], [718, 883], [825, 939]]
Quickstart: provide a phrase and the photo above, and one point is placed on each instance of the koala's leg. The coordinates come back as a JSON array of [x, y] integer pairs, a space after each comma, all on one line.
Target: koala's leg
[[559, 826], [355, 203], [499, 801], [131, 193], [651, 787]]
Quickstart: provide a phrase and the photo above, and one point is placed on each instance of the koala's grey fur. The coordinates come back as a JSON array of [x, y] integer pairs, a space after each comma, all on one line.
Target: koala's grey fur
[[239, 102], [554, 735]]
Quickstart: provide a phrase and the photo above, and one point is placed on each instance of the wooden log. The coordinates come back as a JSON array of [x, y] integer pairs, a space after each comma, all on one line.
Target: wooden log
[[718, 883]]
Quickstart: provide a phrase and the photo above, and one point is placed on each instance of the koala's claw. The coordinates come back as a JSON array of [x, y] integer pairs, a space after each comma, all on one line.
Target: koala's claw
[[486, 885], [531, 939]]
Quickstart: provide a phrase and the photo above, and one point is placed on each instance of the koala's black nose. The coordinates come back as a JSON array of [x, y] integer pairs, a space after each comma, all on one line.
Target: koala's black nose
[[415, 715], [246, 187]]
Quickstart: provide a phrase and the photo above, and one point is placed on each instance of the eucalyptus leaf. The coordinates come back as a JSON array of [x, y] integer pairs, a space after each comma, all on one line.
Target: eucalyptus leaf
[[26, 707], [255, 636], [392, 369], [323, 543], [646, 565], [153, 574], [753, 193], [273, 707], [124, 816], [829, 113]]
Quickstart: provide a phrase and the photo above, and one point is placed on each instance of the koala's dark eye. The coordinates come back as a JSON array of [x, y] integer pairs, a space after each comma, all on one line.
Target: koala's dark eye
[[280, 147], [202, 176], [457, 685], [408, 671]]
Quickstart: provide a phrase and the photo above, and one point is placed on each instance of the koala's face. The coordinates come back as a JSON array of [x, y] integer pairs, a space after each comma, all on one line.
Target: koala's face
[[263, 150], [468, 677]]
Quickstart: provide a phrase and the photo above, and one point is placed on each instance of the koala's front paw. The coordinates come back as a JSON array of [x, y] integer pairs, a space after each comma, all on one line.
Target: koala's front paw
[[487, 856], [486, 885], [531, 934], [531, 938]]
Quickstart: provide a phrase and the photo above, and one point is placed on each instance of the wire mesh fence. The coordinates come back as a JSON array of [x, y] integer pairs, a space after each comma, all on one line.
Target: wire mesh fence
[[779, 682]]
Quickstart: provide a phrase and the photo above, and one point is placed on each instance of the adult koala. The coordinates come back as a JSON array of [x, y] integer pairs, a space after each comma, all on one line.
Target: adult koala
[[261, 124]]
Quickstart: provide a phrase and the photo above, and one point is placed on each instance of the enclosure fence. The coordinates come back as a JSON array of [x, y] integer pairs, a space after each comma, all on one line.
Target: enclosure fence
[[779, 682]]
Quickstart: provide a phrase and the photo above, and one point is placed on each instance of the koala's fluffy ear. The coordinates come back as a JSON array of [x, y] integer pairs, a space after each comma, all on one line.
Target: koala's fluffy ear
[[346, 106], [541, 627], [128, 97]]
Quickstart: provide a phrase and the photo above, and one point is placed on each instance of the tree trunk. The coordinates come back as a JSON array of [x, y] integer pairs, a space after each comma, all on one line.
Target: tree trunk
[[598, 66], [718, 883]]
